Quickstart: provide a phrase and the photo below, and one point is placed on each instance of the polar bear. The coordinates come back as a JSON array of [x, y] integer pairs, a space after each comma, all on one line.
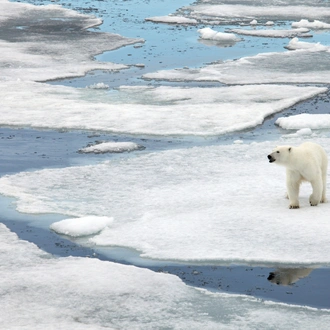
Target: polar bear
[[308, 162]]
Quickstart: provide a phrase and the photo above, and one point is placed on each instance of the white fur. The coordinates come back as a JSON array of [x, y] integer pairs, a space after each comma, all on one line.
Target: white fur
[[308, 162]]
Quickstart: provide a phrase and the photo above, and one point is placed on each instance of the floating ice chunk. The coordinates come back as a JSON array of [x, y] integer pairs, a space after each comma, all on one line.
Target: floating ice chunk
[[304, 23], [301, 32], [295, 44], [83, 226], [112, 147], [98, 86], [86, 293], [238, 142], [269, 23], [210, 34], [172, 20], [305, 120], [302, 132], [254, 22]]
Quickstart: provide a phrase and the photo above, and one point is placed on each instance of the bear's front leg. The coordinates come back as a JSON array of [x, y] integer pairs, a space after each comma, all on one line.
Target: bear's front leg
[[316, 196], [293, 180]]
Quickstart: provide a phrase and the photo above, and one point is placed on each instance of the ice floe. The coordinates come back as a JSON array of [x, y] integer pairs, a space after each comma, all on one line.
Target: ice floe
[[231, 13], [85, 293], [98, 86], [316, 24], [112, 147], [144, 110], [301, 32], [304, 66], [301, 132], [295, 44], [187, 205], [305, 120], [83, 226], [172, 20], [208, 33], [33, 53]]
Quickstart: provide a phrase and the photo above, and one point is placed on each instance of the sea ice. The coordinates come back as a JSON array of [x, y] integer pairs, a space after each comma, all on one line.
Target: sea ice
[[172, 20], [85, 293], [304, 66], [98, 86], [187, 205], [301, 32], [316, 24], [231, 13], [50, 48], [295, 44], [144, 110], [305, 120], [83, 226], [301, 132], [114, 147], [207, 33]]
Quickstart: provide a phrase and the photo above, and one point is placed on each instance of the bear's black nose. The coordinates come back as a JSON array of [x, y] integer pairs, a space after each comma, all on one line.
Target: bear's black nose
[[269, 156]]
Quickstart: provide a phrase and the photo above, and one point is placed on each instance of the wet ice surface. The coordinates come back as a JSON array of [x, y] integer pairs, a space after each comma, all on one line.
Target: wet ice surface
[[182, 196], [156, 111], [145, 298], [169, 213]]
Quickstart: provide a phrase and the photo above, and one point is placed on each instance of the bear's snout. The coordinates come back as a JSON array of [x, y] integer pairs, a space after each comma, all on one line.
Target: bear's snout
[[271, 159]]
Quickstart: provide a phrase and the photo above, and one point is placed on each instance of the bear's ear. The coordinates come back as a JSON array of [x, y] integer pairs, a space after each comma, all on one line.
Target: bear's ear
[[289, 149]]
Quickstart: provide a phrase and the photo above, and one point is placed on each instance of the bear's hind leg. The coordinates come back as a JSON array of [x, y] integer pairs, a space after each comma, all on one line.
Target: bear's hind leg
[[316, 197], [293, 180], [324, 190]]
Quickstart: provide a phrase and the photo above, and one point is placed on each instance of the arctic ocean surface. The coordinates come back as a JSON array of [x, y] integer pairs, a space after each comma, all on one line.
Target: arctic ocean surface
[[135, 188]]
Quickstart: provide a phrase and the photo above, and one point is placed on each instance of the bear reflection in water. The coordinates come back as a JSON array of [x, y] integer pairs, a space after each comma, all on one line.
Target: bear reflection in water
[[287, 276]]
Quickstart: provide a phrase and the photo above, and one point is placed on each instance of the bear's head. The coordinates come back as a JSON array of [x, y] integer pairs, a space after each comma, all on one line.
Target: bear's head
[[280, 155]]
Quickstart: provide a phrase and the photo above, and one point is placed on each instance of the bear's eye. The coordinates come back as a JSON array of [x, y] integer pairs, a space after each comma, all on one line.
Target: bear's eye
[[278, 152]]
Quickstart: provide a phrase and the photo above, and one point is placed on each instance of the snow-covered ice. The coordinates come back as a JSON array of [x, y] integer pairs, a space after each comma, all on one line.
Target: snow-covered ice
[[187, 205], [208, 33], [304, 66], [301, 132], [114, 147], [172, 20], [231, 13], [305, 120], [316, 24], [83, 226], [145, 110], [84, 293], [295, 44], [301, 32], [51, 48], [98, 86]]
